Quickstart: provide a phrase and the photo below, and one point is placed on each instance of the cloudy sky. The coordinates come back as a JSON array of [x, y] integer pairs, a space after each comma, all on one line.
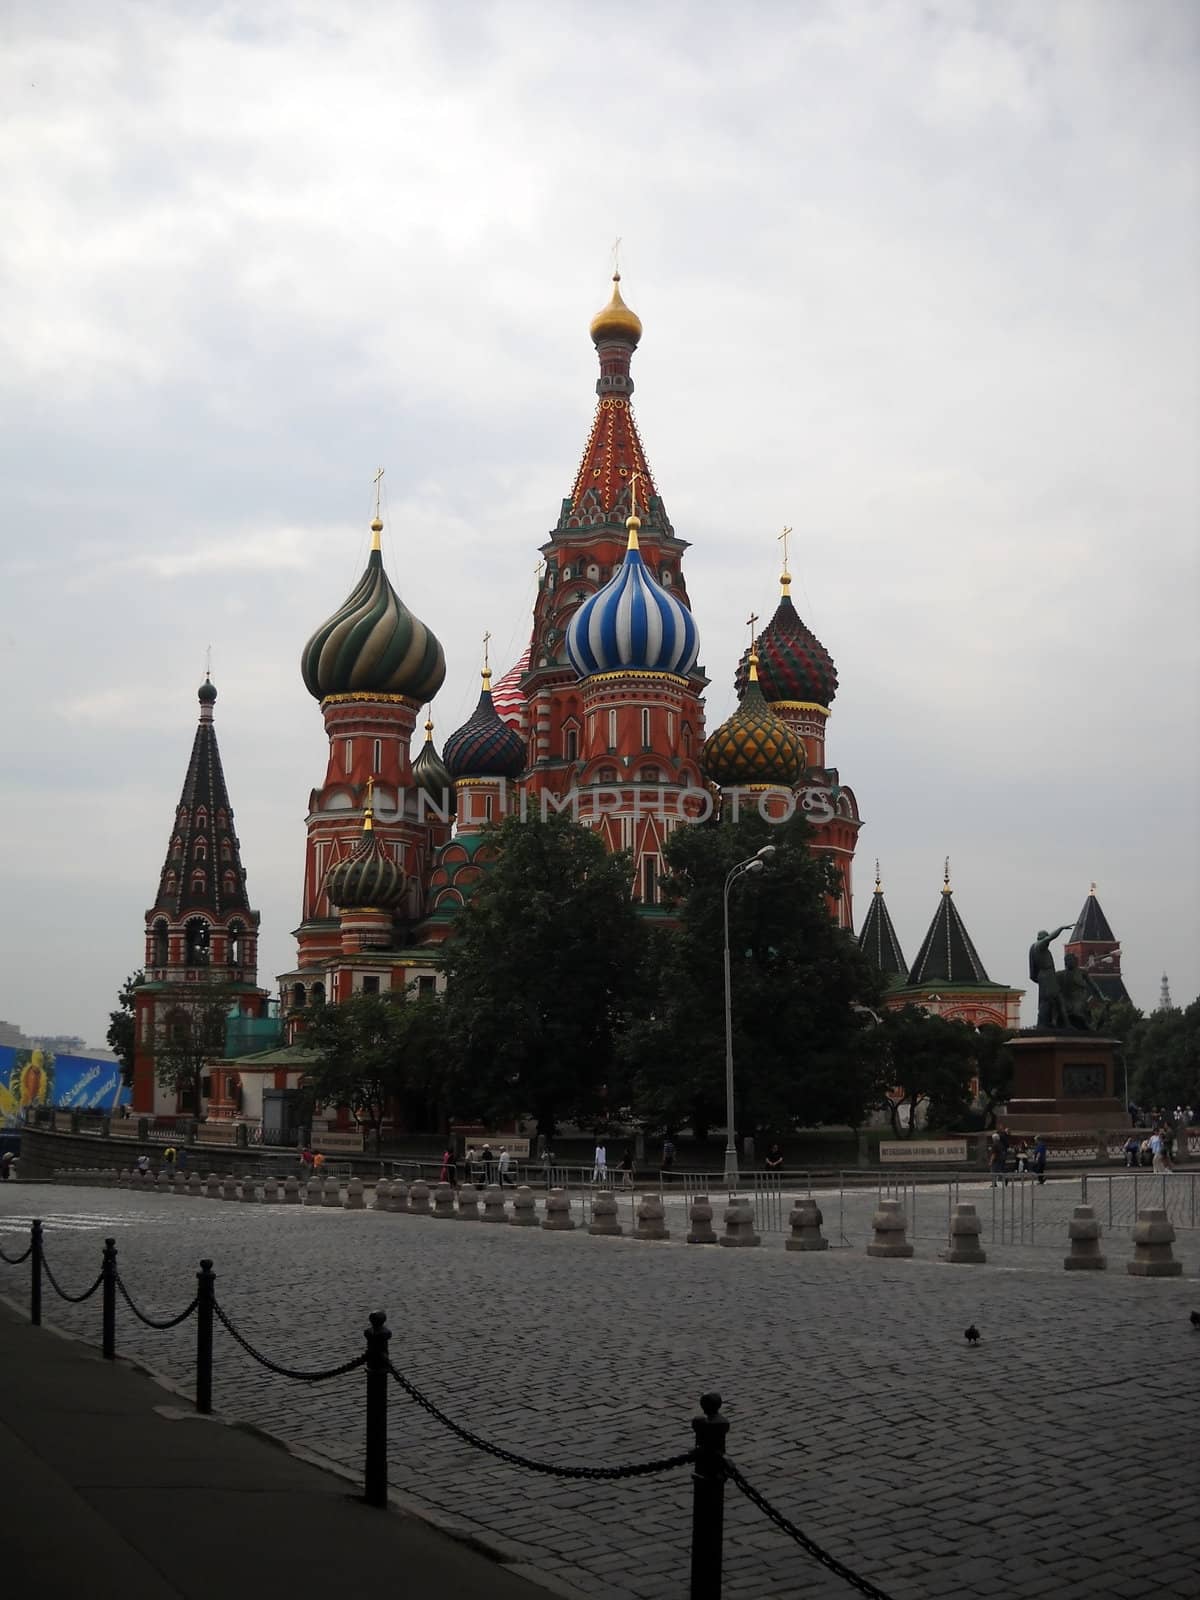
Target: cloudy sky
[[920, 279]]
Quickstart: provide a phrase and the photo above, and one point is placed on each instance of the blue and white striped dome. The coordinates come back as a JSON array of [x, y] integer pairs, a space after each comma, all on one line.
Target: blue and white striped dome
[[632, 624]]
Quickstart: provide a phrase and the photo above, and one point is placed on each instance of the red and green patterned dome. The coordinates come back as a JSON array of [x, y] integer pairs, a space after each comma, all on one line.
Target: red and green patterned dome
[[484, 747], [754, 745], [369, 875], [793, 664]]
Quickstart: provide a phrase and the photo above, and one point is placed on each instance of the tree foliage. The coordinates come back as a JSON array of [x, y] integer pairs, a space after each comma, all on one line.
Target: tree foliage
[[120, 1036], [540, 975], [189, 1034], [796, 979], [376, 1049], [929, 1061], [1165, 1069]]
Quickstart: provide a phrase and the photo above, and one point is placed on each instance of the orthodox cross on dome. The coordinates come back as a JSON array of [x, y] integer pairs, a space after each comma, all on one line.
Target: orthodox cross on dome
[[369, 808], [946, 889], [208, 674], [377, 520], [487, 670], [752, 624], [878, 879], [616, 256], [785, 577]]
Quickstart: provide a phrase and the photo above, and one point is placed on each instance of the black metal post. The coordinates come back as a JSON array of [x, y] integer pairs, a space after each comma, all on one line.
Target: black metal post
[[206, 1294], [375, 1484], [708, 1499], [35, 1272], [108, 1291]]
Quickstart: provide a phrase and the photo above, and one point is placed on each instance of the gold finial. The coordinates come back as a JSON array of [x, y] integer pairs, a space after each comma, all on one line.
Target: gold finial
[[633, 522], [946, 889], [428, 724], [785, 577], [752, 623], [368, 809], [878, 880], [487, 671], [1092, 890], [376, 520]]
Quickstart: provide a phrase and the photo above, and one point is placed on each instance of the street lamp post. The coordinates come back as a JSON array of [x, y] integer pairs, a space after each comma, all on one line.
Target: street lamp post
[[754, 863]]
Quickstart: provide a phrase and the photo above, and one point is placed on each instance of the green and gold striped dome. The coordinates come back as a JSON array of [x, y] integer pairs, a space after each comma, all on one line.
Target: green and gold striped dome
[[753, 745], [373, 644]]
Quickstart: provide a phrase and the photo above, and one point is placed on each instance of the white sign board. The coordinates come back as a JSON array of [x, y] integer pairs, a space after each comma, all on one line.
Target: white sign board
[[919, 1150], [500, 1141], [329, 1139]]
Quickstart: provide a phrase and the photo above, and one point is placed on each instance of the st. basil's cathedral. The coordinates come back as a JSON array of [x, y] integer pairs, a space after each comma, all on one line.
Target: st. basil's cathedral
[[601, 717]]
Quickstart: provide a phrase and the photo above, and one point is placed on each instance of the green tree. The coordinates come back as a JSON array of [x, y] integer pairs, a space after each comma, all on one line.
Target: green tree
[[1167, 1069], [120, 1033], [189, 1034], [993, 1064], [538, 975], [795, 981], [928, 1061]]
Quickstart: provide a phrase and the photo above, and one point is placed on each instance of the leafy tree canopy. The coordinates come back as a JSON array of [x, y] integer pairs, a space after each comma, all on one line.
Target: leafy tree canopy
[[120, 1035], [929, 1061]]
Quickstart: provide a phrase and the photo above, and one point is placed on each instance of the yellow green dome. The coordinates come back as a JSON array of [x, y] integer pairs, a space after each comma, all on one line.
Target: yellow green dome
[[753, 745], [616, 321]]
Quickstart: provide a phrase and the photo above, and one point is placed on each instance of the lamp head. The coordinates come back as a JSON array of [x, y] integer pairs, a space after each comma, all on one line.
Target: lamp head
[[756, 865], [765, 854]]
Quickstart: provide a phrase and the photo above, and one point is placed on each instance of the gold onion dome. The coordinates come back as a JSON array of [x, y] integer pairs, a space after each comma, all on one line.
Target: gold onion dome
[[373, 644], [753, 746], [616, 321]]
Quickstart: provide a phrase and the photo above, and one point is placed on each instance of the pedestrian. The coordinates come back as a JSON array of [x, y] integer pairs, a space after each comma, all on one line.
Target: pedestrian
[[1130, 1148], [627, 1169], [1003, 1142], [306, 1164], [995, 1164], [448, 1173], [774, 1159], [169, 1161], [318, 1164], [668, 1153], [6, 1165], [1038, 1163], [488, 1161], [1158, 1154], [143, 1164], [503, 1165], [470, 1164], [600, 1163]]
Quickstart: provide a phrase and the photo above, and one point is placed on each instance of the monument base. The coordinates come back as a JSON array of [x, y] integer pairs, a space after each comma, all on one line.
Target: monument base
[[1062, 1082]]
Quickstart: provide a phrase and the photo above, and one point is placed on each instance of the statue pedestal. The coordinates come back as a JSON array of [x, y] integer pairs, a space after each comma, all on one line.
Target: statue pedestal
[[1064, 1081]]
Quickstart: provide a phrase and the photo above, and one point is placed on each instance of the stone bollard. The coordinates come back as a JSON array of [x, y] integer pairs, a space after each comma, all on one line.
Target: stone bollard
[[739, 1225], [331, 1192], [805, 1221], [889, 1224], [135, 1178], [229, 1189], [161, 1182], [523, 1212], [180, 1185], [964, 1242], [468, 1203], [558, 1216], [291, 1190], [249, 1189], [651, 1219], [123, 1178], [1083, 1231], [354, 1195], [400, 1193], [604, 1222], [1153, 1236], [383, 1195], [195, 1186], [418, 1198], [493, 1204], [312, 1191], [212, 1187], [443, 1201], [271, 1191], [700, 1217]]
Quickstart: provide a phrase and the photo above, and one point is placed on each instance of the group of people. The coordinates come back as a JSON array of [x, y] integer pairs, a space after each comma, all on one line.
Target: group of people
[[311, 1164], [1154, 1151], [1157, 1116], [480, 1166], [624, 1167], [1005, 1156]]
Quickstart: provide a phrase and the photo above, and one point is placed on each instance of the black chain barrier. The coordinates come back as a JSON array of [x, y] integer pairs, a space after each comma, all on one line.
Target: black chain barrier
[[152, 1322], [636, 1469], [15, 1261], [273, 1366], [74, 1299], [830, 1563]]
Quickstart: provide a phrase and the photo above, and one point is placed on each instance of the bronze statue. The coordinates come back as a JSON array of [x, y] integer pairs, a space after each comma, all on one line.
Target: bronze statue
[[1077, 991], [1051, 1011]]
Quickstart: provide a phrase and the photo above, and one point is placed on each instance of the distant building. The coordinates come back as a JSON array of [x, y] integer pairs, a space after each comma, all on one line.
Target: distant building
[[1098, 952]]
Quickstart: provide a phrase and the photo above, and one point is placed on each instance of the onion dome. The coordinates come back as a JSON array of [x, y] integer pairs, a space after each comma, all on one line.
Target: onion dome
[[633, 624], [484, 747], [616, 321], [754, 745], [368, 876], [432, 774], [207, 692], [793, 664], [373, 645]]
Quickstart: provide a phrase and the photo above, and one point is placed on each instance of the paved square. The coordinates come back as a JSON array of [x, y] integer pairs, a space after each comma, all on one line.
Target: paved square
[[1057, 1458]]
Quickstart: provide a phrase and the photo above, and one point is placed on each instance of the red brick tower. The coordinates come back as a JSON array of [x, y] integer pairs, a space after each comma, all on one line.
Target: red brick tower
[[201, 930], [371, 665], [1097, 951]]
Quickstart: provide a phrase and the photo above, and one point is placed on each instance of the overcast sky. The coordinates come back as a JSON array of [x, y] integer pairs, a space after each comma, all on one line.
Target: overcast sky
[[919, 279]]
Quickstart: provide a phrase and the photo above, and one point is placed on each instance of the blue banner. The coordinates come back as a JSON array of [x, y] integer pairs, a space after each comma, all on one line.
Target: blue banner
[[37, 1077]]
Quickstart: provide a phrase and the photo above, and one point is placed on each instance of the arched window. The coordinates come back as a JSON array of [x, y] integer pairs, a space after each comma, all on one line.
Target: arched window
[[169, 883], [377, 755], [201, 817], [228, 884], [197, 942], [316, 994], [593, 572], [199, 882], [160, 945], [226, 850], [222, 818], [645, 728], [665, 578], [298, 995], [201, 848], [176, 847], [571, 744], [687, 740], [607, 775], [237, 941]]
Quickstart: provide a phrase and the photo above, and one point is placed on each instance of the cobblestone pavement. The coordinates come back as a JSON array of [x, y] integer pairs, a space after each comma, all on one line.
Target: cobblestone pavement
[[1056, 1458]]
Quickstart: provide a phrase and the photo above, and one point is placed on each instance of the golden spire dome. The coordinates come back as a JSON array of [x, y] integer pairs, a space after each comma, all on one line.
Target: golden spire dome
[[616, 321]]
